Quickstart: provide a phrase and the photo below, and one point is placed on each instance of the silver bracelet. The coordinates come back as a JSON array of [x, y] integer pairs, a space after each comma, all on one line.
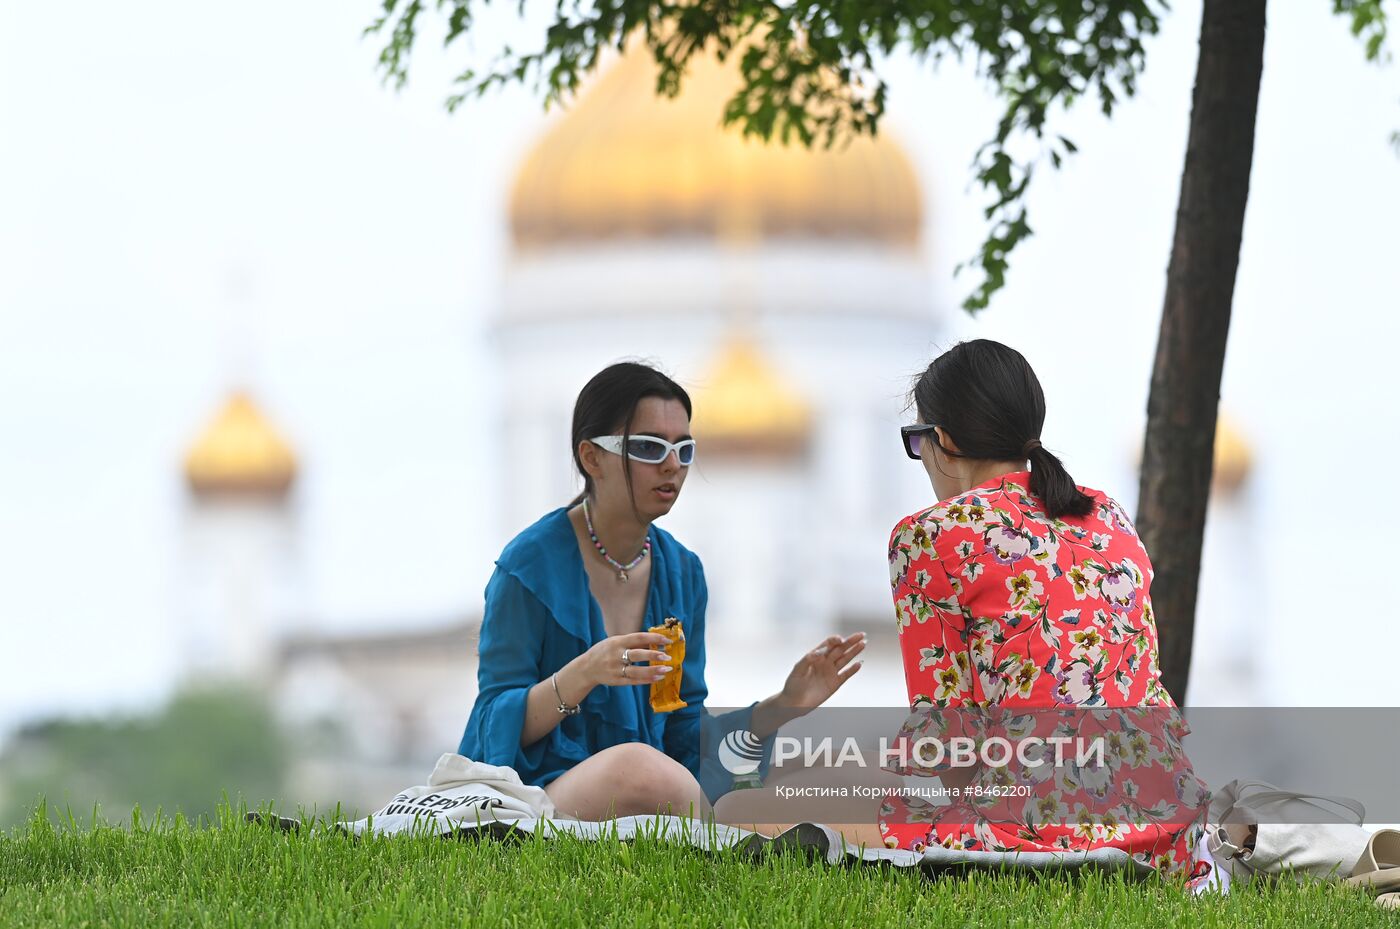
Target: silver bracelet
[[564, 708]]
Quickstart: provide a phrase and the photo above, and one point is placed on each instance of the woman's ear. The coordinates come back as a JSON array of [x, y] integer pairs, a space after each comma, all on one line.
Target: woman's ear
[[946, 441], [588, 455]]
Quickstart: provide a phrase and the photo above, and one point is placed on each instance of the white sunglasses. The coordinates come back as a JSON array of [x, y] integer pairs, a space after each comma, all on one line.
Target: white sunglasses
[[648, 449]]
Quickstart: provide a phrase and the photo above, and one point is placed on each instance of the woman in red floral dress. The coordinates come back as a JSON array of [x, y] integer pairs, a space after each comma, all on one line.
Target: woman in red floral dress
[[1020, 591]]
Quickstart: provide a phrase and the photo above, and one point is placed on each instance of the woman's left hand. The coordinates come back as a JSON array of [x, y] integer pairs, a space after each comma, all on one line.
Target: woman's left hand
[[821, 672]]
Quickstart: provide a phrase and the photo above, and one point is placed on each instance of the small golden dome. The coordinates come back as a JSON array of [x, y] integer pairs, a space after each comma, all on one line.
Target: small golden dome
[[624, 162], [240, 452], [745, 407], [1234, 458]]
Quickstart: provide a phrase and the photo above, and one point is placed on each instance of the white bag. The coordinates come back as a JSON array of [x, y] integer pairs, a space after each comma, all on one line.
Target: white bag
[[1283, 845], [459, 792]]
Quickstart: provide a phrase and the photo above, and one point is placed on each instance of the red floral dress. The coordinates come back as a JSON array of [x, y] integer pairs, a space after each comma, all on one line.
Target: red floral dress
[[1003, 609]]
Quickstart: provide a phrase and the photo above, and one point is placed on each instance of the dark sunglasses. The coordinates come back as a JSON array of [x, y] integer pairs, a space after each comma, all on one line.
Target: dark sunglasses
[[912, 438]]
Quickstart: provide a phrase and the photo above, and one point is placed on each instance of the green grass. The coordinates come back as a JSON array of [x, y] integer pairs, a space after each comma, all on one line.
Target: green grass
[[233, 874]]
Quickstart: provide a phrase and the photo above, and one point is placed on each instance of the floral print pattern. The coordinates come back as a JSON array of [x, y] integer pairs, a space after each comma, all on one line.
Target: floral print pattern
[[1000, 606]]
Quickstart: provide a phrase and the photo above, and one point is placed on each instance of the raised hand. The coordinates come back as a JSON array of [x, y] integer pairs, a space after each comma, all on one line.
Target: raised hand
[[821, 672]]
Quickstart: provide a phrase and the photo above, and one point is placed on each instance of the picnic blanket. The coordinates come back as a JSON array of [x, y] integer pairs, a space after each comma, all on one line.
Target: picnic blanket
[[466, 799]]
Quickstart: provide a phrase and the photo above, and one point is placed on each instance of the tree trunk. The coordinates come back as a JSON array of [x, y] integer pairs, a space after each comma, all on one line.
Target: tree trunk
[[1181, 408]]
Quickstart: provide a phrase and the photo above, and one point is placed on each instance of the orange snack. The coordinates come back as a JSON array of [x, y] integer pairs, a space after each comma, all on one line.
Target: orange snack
[[666, 693]]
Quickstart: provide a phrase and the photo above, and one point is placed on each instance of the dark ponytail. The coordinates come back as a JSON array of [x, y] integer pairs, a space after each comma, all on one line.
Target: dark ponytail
[[988, 400], [608, 402]]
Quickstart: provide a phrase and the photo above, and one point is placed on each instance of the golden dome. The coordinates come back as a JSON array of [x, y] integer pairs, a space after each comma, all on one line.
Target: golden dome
[[744, 407], [624, 162], [1233, 456], [240, 452]]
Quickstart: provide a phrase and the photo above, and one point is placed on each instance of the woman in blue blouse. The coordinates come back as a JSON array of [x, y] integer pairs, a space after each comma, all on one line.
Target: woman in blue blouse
[[564, 694]]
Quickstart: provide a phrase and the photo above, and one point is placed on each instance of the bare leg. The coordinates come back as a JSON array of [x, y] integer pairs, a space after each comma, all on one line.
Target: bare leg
[[627, 780], [755, 809]]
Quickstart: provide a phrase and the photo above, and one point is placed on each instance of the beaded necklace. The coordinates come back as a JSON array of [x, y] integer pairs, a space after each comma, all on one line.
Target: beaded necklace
[[621, 568]]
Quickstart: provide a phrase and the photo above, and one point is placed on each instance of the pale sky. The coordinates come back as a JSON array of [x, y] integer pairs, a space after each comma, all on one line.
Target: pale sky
[[193, 195]]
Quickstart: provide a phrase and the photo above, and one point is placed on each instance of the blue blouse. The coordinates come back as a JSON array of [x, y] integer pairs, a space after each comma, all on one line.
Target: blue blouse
[[540, 615]]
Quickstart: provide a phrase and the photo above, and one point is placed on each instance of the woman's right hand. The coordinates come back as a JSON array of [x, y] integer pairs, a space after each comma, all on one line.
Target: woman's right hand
[[603, 663]]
